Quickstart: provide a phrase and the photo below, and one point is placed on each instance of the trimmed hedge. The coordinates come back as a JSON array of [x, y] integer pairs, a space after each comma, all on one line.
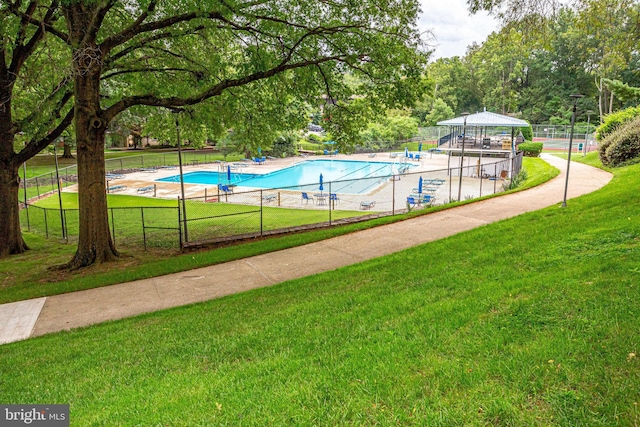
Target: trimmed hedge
[[622, 145], [531, 149]]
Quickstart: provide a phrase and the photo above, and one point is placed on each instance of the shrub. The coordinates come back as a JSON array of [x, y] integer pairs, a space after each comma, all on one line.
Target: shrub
[[614, 120], [622, 145], [531, 149]]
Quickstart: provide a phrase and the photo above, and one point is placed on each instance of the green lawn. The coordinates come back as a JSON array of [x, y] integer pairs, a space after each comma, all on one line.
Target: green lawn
[[531, 321]]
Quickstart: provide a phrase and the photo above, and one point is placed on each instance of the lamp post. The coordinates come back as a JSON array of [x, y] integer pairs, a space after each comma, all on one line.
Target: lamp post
[[177, 111], [573, 121], [464, 134]]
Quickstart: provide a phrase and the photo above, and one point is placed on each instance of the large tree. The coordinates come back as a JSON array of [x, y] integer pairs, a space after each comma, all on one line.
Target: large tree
[[219, 54], [34, 94]]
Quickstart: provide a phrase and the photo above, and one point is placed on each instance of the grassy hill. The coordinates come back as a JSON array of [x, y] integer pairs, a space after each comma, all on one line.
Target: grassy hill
[[530, 321]]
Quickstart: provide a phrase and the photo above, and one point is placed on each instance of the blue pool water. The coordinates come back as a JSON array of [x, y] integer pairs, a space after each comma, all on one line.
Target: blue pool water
[[342, 176]]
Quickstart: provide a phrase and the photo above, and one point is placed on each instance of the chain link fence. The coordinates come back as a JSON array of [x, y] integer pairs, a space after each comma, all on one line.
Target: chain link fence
[[224, 213]]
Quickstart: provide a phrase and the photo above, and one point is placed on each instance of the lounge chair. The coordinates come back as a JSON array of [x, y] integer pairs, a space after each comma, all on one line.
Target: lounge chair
[[306, 197], [268, 198], [365, 206], [372, 155], [115, 176], [152, 170], [115, 188], [146, 189]]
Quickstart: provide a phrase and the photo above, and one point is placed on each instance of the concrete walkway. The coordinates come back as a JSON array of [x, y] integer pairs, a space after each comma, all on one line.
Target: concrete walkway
[[77, 309]]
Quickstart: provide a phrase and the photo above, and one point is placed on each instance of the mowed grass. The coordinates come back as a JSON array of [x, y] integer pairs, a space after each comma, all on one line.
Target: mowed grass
[[531, 321]]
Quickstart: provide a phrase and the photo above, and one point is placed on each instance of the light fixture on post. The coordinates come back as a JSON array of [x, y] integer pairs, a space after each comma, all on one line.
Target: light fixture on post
[[464, 135], [573, 122], [177, 111]]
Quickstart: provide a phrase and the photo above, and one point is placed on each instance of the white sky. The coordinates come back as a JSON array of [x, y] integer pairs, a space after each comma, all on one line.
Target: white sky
[[453, 27]]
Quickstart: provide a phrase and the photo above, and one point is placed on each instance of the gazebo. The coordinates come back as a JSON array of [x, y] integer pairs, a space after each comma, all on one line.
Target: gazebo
[[476, 142]]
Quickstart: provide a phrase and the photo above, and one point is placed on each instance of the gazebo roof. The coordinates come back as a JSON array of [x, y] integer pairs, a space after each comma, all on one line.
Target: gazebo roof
[[485, 118]]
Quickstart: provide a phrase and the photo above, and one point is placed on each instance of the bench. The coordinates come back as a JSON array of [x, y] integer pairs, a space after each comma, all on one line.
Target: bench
[[114, 188]]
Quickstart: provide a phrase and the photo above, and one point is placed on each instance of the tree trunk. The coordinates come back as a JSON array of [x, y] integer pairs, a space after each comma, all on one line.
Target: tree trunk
[[11, 242], [95, 244], [67, 152]]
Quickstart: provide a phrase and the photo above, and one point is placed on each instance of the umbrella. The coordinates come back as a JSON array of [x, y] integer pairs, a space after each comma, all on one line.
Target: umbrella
[[229, 174], [321, 186], [420, 187], [406, 151], [420, 147]]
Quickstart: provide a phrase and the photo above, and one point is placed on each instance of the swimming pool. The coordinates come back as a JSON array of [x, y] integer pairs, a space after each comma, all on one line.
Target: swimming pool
[[342, 176]]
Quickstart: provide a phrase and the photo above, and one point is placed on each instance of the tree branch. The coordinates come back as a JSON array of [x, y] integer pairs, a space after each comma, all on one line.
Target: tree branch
[[34, 147], [216, 90]]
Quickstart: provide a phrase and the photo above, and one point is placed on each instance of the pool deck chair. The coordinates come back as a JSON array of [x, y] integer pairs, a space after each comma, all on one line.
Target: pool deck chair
[[115, 188], [365, 206], [152, 170], [146, 189], [333, 198], [411, 202], [268, 198], [307, 197], [226, 189], [428, 199], [115, 176]]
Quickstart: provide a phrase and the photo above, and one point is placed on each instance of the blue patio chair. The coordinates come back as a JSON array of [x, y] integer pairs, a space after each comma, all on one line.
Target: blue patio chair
[[428, 199], [326, 152], [333, 197], [411, 201], [226, 189], [307, 197]]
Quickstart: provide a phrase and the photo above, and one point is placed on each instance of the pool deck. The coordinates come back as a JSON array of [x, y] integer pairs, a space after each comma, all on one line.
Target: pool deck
[[432, 165]]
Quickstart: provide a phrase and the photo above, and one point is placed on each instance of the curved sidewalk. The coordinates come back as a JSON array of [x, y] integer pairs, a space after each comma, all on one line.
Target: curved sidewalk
[[82, 308]]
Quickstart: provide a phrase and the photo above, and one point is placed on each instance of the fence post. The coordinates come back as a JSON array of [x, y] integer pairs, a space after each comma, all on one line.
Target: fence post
[[46, 224], [261, 213], [180, 226], [24, 186], [144, 234], [393, 194], [66, 228], [330, 201], [37, 188], [113, 227]]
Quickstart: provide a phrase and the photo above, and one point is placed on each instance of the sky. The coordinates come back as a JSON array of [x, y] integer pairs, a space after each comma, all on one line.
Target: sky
[[453, 27]]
